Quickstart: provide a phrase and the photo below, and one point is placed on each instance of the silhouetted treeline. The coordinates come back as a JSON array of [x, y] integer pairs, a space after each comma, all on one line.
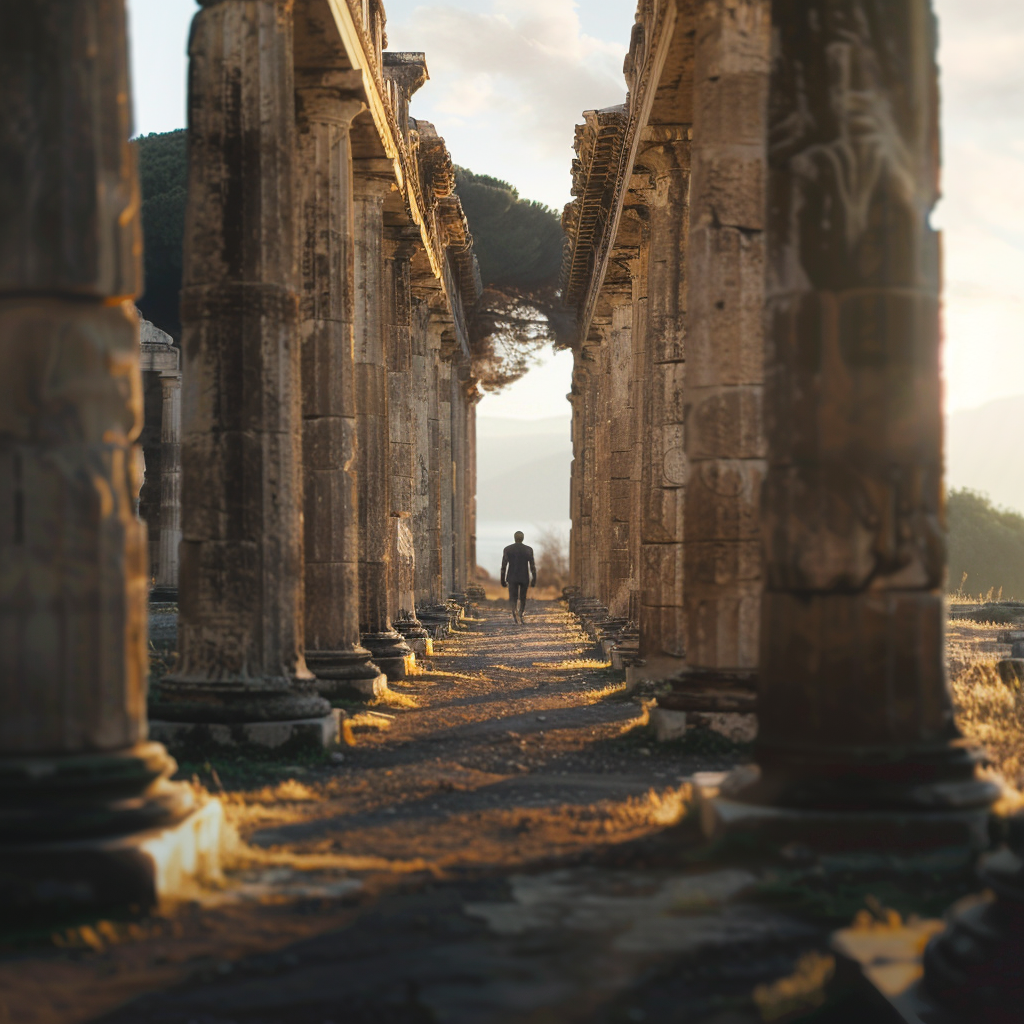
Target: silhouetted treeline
[[986, 543], [163, 172]]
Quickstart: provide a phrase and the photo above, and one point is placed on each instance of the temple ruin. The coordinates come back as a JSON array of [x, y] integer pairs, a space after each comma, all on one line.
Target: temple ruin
[[304, 461], [757, 486]]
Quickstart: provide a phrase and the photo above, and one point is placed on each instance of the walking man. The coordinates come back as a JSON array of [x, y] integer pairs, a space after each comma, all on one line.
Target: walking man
[[519, 573]]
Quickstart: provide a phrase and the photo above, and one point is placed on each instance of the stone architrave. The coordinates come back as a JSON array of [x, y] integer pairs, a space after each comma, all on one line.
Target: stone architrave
[[857, 745], [242, 675], [389, 649], [667, 157], [330, 488], [84, 798], [724, 436]]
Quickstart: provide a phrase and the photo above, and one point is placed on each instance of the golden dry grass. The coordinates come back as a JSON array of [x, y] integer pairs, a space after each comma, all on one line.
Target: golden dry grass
[[987, 710]]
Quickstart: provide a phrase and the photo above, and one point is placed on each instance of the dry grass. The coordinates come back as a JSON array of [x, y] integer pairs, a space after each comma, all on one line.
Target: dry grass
[[987, 710]]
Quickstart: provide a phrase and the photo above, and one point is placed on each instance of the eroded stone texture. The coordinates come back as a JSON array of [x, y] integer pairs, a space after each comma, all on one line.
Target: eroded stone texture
[[73, 576], [854, 704], [240, 628], [663, 470], [724, 436], [375, 530], [330, 501]]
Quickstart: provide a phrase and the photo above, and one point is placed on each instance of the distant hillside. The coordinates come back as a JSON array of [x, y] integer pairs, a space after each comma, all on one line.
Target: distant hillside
[[986, 546], [523, 469], [984, 453]]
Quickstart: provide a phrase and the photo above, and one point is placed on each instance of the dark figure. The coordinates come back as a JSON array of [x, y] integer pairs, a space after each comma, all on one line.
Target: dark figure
[[519, 573]]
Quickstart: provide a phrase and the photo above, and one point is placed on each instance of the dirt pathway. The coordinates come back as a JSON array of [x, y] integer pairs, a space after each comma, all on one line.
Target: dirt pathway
[[512, 749]]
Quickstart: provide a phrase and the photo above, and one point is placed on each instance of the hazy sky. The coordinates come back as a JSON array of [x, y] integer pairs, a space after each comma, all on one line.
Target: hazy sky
[[510, 78]]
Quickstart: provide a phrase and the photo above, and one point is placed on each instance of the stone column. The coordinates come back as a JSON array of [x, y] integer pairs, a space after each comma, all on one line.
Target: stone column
[[400, 246], [602, 466], [620, 511], [445, 456], [79, 784], [388, 648], [724, 435], [857, 745], [459, 401], [242, 673], [664, 462], [639, 385], [427, 511], [330, 487], [170, 481]]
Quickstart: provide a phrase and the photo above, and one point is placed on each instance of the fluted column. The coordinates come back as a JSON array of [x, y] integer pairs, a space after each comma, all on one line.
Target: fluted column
[[329, 443], [75, 768], [855, 712], [240, 622], [445, 456], [388, 648], [400, 246], [620, 511], [724, 436], [170, 480], [664, 461]]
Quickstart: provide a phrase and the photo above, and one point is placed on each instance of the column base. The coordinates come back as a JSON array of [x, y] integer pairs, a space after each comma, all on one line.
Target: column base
[[51, 882], [942, 830], [415, 635], [193, 740], [436, 620], [973, 967], [346, 673], [476, 593], [390, 653]]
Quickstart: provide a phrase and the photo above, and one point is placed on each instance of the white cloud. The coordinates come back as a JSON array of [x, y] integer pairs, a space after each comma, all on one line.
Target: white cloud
[[509, 82]]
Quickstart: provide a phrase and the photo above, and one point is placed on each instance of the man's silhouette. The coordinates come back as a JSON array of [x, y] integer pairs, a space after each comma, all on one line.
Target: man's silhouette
[[519, 573]]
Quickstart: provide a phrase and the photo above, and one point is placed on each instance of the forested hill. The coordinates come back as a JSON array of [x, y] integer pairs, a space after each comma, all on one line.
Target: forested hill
[[986, 546], [518, 244], [163, 173]]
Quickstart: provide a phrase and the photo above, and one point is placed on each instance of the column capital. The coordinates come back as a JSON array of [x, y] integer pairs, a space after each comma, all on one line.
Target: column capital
[[373, 185], [326, 103]]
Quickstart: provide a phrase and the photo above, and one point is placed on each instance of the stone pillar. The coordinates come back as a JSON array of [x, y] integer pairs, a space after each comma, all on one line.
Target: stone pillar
[[445, 456], [330, 499], [724, 435], [639, 385], [427, 512], [459, 400], [602, 522], [388, 648], [620, 511], [664, 462], [170, 482], [857, 745], [242, 674], [400, 247], [80, 786]]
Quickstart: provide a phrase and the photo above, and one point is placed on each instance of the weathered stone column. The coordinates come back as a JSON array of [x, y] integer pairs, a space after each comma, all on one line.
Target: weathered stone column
[[330, 488], [79, 784], [459, 402], [639, 385], [388, 648], [724, 435], [620, 512], [242, 674], [399, 247], [445, 464], [664, 461], [170, 481], [857, 744]]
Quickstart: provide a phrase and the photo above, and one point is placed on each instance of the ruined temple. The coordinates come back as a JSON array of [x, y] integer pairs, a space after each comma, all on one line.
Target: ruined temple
[[310, 445]]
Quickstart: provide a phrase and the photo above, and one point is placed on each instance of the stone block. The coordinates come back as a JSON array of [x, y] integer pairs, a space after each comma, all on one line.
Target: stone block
[[58, 881], [724, 421], [287, 737], [723, 499], [668, 725]]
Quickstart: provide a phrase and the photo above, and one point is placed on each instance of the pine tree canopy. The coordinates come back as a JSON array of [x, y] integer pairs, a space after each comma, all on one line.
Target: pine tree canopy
[[517, 242]]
